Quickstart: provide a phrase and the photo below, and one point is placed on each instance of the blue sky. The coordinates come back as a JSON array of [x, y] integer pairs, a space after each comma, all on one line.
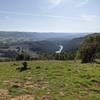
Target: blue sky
[[50, 15]]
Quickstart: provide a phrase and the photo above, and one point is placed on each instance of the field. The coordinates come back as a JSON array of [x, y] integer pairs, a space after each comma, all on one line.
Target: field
[[50, 80]]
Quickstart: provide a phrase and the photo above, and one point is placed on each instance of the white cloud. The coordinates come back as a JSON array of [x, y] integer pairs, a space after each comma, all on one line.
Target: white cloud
[[54, 3], [81, 3], [83, 17], [74, 3], [14, 13], [90, 17], [78, 3], [56, 16], [30, 14]]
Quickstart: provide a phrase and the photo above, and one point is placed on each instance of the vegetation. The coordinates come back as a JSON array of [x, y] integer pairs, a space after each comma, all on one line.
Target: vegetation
[[24, 67], [51, 80], [89, 48], [23, 55], [60, 78], [35, 43], [69, 55]]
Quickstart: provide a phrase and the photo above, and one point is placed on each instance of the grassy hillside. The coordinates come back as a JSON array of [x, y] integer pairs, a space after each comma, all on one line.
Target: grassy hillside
[[50, 80]]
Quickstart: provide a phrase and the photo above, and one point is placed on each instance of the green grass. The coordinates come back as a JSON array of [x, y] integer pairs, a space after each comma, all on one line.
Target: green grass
[[57, 80]]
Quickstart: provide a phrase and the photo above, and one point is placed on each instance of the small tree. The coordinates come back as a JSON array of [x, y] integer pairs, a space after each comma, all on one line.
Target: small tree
[[24, 65]]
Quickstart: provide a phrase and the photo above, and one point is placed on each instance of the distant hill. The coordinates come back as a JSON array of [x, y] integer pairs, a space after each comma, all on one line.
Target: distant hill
[[12, 37], [39, 42], [50, 45], [75, 43]]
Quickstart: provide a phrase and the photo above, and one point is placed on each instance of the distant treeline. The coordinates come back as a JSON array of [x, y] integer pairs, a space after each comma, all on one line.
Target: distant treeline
[[41, 56]]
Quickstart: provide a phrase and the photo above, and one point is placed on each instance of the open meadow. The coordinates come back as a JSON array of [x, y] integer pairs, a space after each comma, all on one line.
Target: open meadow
[[50, 80]]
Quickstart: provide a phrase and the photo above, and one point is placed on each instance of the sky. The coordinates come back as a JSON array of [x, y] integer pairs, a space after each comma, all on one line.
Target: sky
[[50, 15]]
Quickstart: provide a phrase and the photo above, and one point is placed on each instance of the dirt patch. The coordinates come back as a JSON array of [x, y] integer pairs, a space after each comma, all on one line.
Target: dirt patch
[[6, 82], [61, 93], [29, 78], [46, 97], [24, 97], [29, 84], [4, 92], [12, 83]]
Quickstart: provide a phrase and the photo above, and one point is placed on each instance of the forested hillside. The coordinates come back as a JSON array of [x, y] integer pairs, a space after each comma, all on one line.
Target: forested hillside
[[34, 44]]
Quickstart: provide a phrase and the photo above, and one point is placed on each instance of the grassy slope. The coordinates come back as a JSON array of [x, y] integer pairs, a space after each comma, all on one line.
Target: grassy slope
[[55, 80]]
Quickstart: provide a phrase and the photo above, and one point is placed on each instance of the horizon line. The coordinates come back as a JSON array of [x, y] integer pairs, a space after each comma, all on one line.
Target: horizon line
[[44, 31]]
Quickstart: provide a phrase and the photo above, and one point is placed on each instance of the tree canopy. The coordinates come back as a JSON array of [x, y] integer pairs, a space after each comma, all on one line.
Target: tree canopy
[[89, 47]]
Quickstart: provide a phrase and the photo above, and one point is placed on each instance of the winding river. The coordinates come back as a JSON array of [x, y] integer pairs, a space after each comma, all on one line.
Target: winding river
[[60, 49]]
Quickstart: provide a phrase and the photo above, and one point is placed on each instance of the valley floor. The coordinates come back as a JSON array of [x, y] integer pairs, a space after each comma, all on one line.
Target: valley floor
[[50, 80]]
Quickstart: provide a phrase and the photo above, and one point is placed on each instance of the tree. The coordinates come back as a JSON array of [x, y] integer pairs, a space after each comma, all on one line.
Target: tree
[[24, 67], [88, 48], [23, 55]]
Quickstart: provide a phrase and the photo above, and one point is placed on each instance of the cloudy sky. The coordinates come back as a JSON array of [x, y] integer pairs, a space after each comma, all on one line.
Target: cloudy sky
[[50, 15]]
